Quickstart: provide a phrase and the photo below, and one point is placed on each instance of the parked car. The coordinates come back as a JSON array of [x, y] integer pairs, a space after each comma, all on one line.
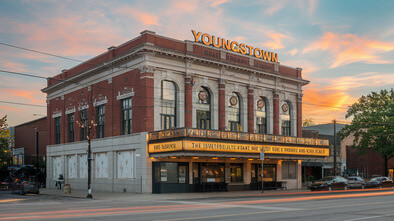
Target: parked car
[[356, 182], [379, 182], [25, 186], [330, 183]]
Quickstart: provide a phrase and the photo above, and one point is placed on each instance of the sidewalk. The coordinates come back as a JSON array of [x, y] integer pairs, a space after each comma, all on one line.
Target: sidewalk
[[116, 196]]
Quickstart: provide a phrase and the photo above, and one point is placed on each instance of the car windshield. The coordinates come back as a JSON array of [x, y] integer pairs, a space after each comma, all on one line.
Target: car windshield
[[328, 178], [375, 179], [352, 179]]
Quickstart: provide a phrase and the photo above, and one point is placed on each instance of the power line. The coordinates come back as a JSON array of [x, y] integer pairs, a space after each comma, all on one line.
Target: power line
[[22, 74], [40, 52], [34, 105]]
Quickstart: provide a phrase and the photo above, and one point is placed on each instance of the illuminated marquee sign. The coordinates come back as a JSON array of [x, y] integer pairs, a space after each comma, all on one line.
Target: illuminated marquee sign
[[188, 145], [238, 136], [234, 46]]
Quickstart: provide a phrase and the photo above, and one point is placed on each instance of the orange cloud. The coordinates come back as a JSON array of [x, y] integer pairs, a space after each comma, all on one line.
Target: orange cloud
[[215, 3], [30, 97], [13, 66], [70, 35], [273, 6], [362, 80], [324, 105], [276, 42], [143, 17], [349, 48]]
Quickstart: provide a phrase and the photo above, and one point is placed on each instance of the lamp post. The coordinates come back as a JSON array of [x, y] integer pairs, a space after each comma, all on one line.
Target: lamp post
[[89, 163]]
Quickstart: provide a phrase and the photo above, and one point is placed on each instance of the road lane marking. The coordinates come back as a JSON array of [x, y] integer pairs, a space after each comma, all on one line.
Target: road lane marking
[[229, 205], [300, 209], [369, 217], [10, 200]]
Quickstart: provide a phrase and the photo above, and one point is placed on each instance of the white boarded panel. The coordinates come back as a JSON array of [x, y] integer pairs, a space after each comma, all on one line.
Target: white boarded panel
[[72, 166], [125, 164], [57, 166], [101, 165], [83, 166]]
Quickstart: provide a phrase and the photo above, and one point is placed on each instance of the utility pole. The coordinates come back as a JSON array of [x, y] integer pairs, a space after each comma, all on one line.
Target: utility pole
[[335, 148], [89, 163], [37, 163]]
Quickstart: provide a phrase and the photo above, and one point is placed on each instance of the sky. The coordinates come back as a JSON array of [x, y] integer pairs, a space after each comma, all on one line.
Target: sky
[[345, 48]]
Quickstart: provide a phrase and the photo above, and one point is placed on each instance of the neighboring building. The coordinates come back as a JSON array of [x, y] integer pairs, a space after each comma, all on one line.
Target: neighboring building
[[25, 138], [178, 116], [319, 168], [364, 164]]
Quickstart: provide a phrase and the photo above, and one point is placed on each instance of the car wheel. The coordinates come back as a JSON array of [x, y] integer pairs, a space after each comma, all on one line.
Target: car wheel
[[345, 188], [329, 188], [380, 187], [362, 186]]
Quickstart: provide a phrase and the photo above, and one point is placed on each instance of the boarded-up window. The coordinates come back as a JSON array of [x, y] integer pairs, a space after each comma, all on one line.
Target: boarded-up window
[[101, 165], [57, 166], [125, 164], [83, 166], [72, 166]]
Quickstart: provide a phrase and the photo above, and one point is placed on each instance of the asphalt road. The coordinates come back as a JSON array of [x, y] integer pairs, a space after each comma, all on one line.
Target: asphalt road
[[336, 205]]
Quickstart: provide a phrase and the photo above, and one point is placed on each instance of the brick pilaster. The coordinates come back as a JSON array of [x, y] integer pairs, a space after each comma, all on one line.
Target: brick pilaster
[[299, 115], [276, 113], [222, 106], [250, 110], [188, 102]]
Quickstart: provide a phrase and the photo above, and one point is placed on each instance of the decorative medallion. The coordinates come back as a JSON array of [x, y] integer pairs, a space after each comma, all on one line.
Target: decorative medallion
[[285, 107], [260, 103], [233, 100], [202, 95]]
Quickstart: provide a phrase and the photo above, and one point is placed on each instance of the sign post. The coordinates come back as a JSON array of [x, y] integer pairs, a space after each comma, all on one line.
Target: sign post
[[262, 170]]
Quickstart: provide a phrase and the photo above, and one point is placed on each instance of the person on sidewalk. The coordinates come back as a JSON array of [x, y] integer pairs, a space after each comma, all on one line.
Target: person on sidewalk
[[59, 182]]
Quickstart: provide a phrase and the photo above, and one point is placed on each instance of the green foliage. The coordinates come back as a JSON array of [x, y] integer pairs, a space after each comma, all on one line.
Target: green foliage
[[373, 123], [5, 154], [308, 122]]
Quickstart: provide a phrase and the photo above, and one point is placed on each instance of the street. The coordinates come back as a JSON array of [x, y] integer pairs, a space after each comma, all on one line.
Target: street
[[376, 204]]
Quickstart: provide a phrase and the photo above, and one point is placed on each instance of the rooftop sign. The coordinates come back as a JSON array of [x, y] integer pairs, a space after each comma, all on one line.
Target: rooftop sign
[[234, 46]]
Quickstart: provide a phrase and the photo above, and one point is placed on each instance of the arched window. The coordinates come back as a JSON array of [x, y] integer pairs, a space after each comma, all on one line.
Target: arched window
[[234, 112], [168, 105], [203, 108], [286, 119], [261, 116]]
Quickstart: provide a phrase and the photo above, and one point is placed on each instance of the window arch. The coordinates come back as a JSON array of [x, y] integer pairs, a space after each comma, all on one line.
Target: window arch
[[234, 112], [168, 105], [286, 119], [261, 116], [203, 108]]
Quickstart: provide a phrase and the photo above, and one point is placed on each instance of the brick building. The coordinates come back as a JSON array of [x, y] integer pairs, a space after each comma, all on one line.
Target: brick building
[[25, 149], [172, 115]]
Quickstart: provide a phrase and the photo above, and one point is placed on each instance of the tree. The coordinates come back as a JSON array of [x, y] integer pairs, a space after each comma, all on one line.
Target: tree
[[373, 124], [308, 122], [5, 155]]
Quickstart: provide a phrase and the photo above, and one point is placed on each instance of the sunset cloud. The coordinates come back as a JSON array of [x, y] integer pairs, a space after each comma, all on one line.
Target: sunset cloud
[[215, 3], [133, 13], [274, 6], [26, 96], [325, 104], [276, 42], [349, 48]]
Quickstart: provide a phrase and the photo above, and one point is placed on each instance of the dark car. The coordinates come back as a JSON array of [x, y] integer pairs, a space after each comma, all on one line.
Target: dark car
[[330, 183], [25, 186], [379, 182], [356, 182]]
